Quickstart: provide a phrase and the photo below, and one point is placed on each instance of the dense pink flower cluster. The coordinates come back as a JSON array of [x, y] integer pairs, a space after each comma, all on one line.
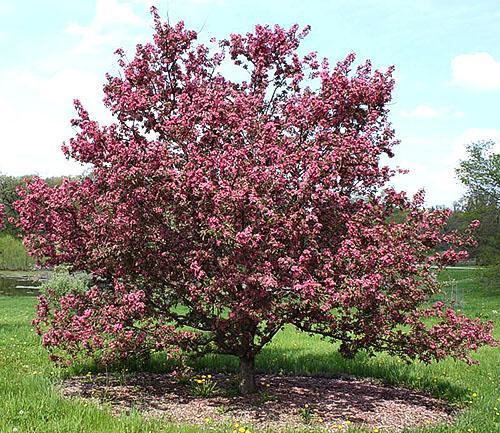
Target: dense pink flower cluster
[[236, 207], [452, 334], [108, 325]]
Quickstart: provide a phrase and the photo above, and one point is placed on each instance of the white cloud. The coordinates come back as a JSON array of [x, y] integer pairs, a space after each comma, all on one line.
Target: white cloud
[[163, 5], [434, 173], [219, 2], [428, 112], [421, 156], [469, 136], [36, 102], [422, 111], [35, 119], [474, 134], [6, 8], [478, 71], [109, 26]]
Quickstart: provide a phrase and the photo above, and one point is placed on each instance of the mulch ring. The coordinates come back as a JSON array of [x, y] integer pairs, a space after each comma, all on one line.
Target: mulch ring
[[334, 404]]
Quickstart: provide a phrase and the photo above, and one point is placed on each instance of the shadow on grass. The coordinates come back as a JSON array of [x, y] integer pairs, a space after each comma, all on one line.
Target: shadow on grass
[[280, 360], [389, 370]]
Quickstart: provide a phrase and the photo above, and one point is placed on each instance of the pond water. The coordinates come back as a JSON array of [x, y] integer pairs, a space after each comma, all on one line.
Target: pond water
[[19, 285]]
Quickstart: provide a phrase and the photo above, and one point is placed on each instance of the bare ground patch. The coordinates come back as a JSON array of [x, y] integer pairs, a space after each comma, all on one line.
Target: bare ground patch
[[337, 404]]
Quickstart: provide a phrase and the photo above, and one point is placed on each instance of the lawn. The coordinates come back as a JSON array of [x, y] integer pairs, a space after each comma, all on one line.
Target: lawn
[[30, 402]]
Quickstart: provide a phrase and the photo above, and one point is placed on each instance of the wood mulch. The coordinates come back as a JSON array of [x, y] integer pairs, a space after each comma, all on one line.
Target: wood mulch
[[337, 404]]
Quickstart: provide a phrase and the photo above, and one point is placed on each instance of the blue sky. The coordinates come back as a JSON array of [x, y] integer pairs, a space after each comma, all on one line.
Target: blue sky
[[446, 53]]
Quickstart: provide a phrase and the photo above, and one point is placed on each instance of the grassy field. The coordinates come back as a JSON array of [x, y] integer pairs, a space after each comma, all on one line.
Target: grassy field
[[29, 401]]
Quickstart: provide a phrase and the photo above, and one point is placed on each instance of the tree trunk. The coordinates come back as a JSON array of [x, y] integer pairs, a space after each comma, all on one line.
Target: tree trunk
[[247, 375]]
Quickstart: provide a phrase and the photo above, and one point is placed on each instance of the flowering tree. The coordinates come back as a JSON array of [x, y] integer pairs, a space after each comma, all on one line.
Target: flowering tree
[[237, 207]]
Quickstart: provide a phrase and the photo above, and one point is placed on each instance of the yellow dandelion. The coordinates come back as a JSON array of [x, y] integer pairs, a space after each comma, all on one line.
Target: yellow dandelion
[[306, 405], [235, 431], [348, 422], [236, 425], [203, 377], [242, 429], [209, 376], [376, 430], [199, 381], [474, 394]]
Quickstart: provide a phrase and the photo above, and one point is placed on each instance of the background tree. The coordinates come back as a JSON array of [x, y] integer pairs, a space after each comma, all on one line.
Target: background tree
[[8, 195], [238, 207], [480, 174]]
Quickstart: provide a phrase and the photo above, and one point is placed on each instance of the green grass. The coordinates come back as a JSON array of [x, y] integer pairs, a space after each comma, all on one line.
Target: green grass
[[30, 402], [13, 255]]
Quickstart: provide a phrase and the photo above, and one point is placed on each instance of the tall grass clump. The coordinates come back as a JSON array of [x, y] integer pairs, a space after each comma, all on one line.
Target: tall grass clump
[[13, 255], [489, 277]]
